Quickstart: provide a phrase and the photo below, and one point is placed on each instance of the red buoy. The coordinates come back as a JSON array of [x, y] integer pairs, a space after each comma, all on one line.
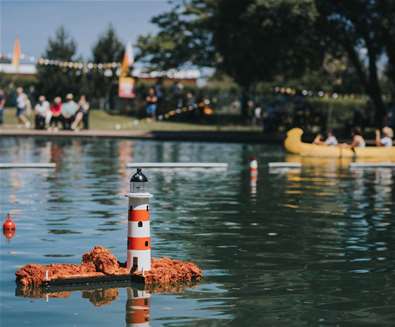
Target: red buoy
[[9, 227]]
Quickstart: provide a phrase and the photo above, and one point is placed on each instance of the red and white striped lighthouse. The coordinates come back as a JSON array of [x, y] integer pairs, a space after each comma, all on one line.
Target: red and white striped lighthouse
[[139, 235], [137, 308]]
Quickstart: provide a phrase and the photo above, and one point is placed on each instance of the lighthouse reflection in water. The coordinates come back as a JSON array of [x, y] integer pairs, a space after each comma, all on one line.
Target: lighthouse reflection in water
[[137, 308]]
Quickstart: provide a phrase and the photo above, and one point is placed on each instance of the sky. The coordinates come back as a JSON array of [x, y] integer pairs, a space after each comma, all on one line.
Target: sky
[[34, 21]]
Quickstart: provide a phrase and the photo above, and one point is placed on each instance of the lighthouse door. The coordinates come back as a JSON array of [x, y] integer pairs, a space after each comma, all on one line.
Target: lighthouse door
[[135, 263]]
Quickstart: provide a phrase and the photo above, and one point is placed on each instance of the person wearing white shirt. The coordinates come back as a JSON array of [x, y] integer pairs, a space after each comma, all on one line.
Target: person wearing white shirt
[[69, 109], [21, 106], [331, 139], [41, 110], [386, 140]]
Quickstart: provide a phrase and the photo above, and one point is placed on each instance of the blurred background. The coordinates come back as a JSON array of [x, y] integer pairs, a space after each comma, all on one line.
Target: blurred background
[[262, 64]]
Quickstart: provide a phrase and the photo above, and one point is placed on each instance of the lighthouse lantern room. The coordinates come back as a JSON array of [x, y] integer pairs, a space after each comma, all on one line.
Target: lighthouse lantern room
[[137, 182]]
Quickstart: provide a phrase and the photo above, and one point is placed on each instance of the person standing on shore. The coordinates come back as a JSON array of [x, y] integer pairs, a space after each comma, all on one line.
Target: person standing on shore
[[69, 109], [2, 106], [151, 103], [21, 107]]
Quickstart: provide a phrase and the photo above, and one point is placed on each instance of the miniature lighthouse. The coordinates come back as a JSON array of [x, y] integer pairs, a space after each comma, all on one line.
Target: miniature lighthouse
[[137, 308], [139, 235]]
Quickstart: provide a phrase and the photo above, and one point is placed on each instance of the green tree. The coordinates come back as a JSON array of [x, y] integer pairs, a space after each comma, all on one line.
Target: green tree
[[251, 40], [386, 9], [108, 48], [357, 28], [184, 37], [55, 80], [265, 40], [276, 40]]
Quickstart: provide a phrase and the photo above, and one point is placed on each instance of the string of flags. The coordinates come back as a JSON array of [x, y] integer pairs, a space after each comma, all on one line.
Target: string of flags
[[127, 82], [309, 93], [78, 64], [122, 69], [175, 112], [206, 110]]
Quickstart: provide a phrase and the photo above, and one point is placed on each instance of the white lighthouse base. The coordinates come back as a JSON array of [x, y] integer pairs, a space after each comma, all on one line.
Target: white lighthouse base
[[142, 258]]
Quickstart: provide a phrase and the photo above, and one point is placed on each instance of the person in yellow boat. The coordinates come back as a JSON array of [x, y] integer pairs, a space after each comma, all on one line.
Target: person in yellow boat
[[357, 139], [386, 140], [331, 139], [318, 140]]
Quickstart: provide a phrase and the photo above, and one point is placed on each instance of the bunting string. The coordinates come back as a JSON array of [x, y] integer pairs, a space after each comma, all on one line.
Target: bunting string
[[310, 93], [78, 64]]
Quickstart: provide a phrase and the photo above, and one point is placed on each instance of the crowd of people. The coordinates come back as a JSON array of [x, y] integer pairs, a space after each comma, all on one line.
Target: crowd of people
[[68, 115], [155, 98], [383, 138], [157, 103]]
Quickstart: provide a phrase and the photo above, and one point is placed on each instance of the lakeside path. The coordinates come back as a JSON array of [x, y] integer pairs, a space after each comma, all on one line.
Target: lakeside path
[[104, 125], [184, 135]]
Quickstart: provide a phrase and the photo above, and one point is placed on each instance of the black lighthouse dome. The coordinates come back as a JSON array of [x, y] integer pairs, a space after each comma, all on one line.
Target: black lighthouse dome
[[139, 177]]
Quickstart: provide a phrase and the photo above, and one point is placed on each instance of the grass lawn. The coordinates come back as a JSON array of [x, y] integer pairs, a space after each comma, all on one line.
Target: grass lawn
[[100, 120]]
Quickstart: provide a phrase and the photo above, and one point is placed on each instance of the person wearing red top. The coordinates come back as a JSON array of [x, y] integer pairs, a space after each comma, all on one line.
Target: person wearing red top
[[56, 112]]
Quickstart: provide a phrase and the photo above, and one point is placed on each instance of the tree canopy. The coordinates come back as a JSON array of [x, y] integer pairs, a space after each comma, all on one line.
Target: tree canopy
[[244, 39], [108, 48], [54, 80], [274, 40], [361, 29]]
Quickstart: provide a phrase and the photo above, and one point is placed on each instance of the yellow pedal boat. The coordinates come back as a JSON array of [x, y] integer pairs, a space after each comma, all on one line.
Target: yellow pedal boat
[[293, 144]]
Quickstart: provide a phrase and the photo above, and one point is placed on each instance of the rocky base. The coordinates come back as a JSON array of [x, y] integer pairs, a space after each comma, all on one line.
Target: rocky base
[[101, 262]]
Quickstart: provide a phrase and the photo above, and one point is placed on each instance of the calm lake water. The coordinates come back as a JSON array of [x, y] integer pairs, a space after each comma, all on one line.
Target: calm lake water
[[310, 247]]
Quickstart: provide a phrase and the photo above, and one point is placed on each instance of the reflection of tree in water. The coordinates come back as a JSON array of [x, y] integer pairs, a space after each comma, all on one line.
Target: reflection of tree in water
[[369, 211], [16, 182], [357, 265], [384, 188]]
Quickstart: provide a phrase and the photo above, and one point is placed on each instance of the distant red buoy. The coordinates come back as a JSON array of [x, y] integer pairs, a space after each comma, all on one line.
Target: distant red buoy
[[9, 234], [9, 227]]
